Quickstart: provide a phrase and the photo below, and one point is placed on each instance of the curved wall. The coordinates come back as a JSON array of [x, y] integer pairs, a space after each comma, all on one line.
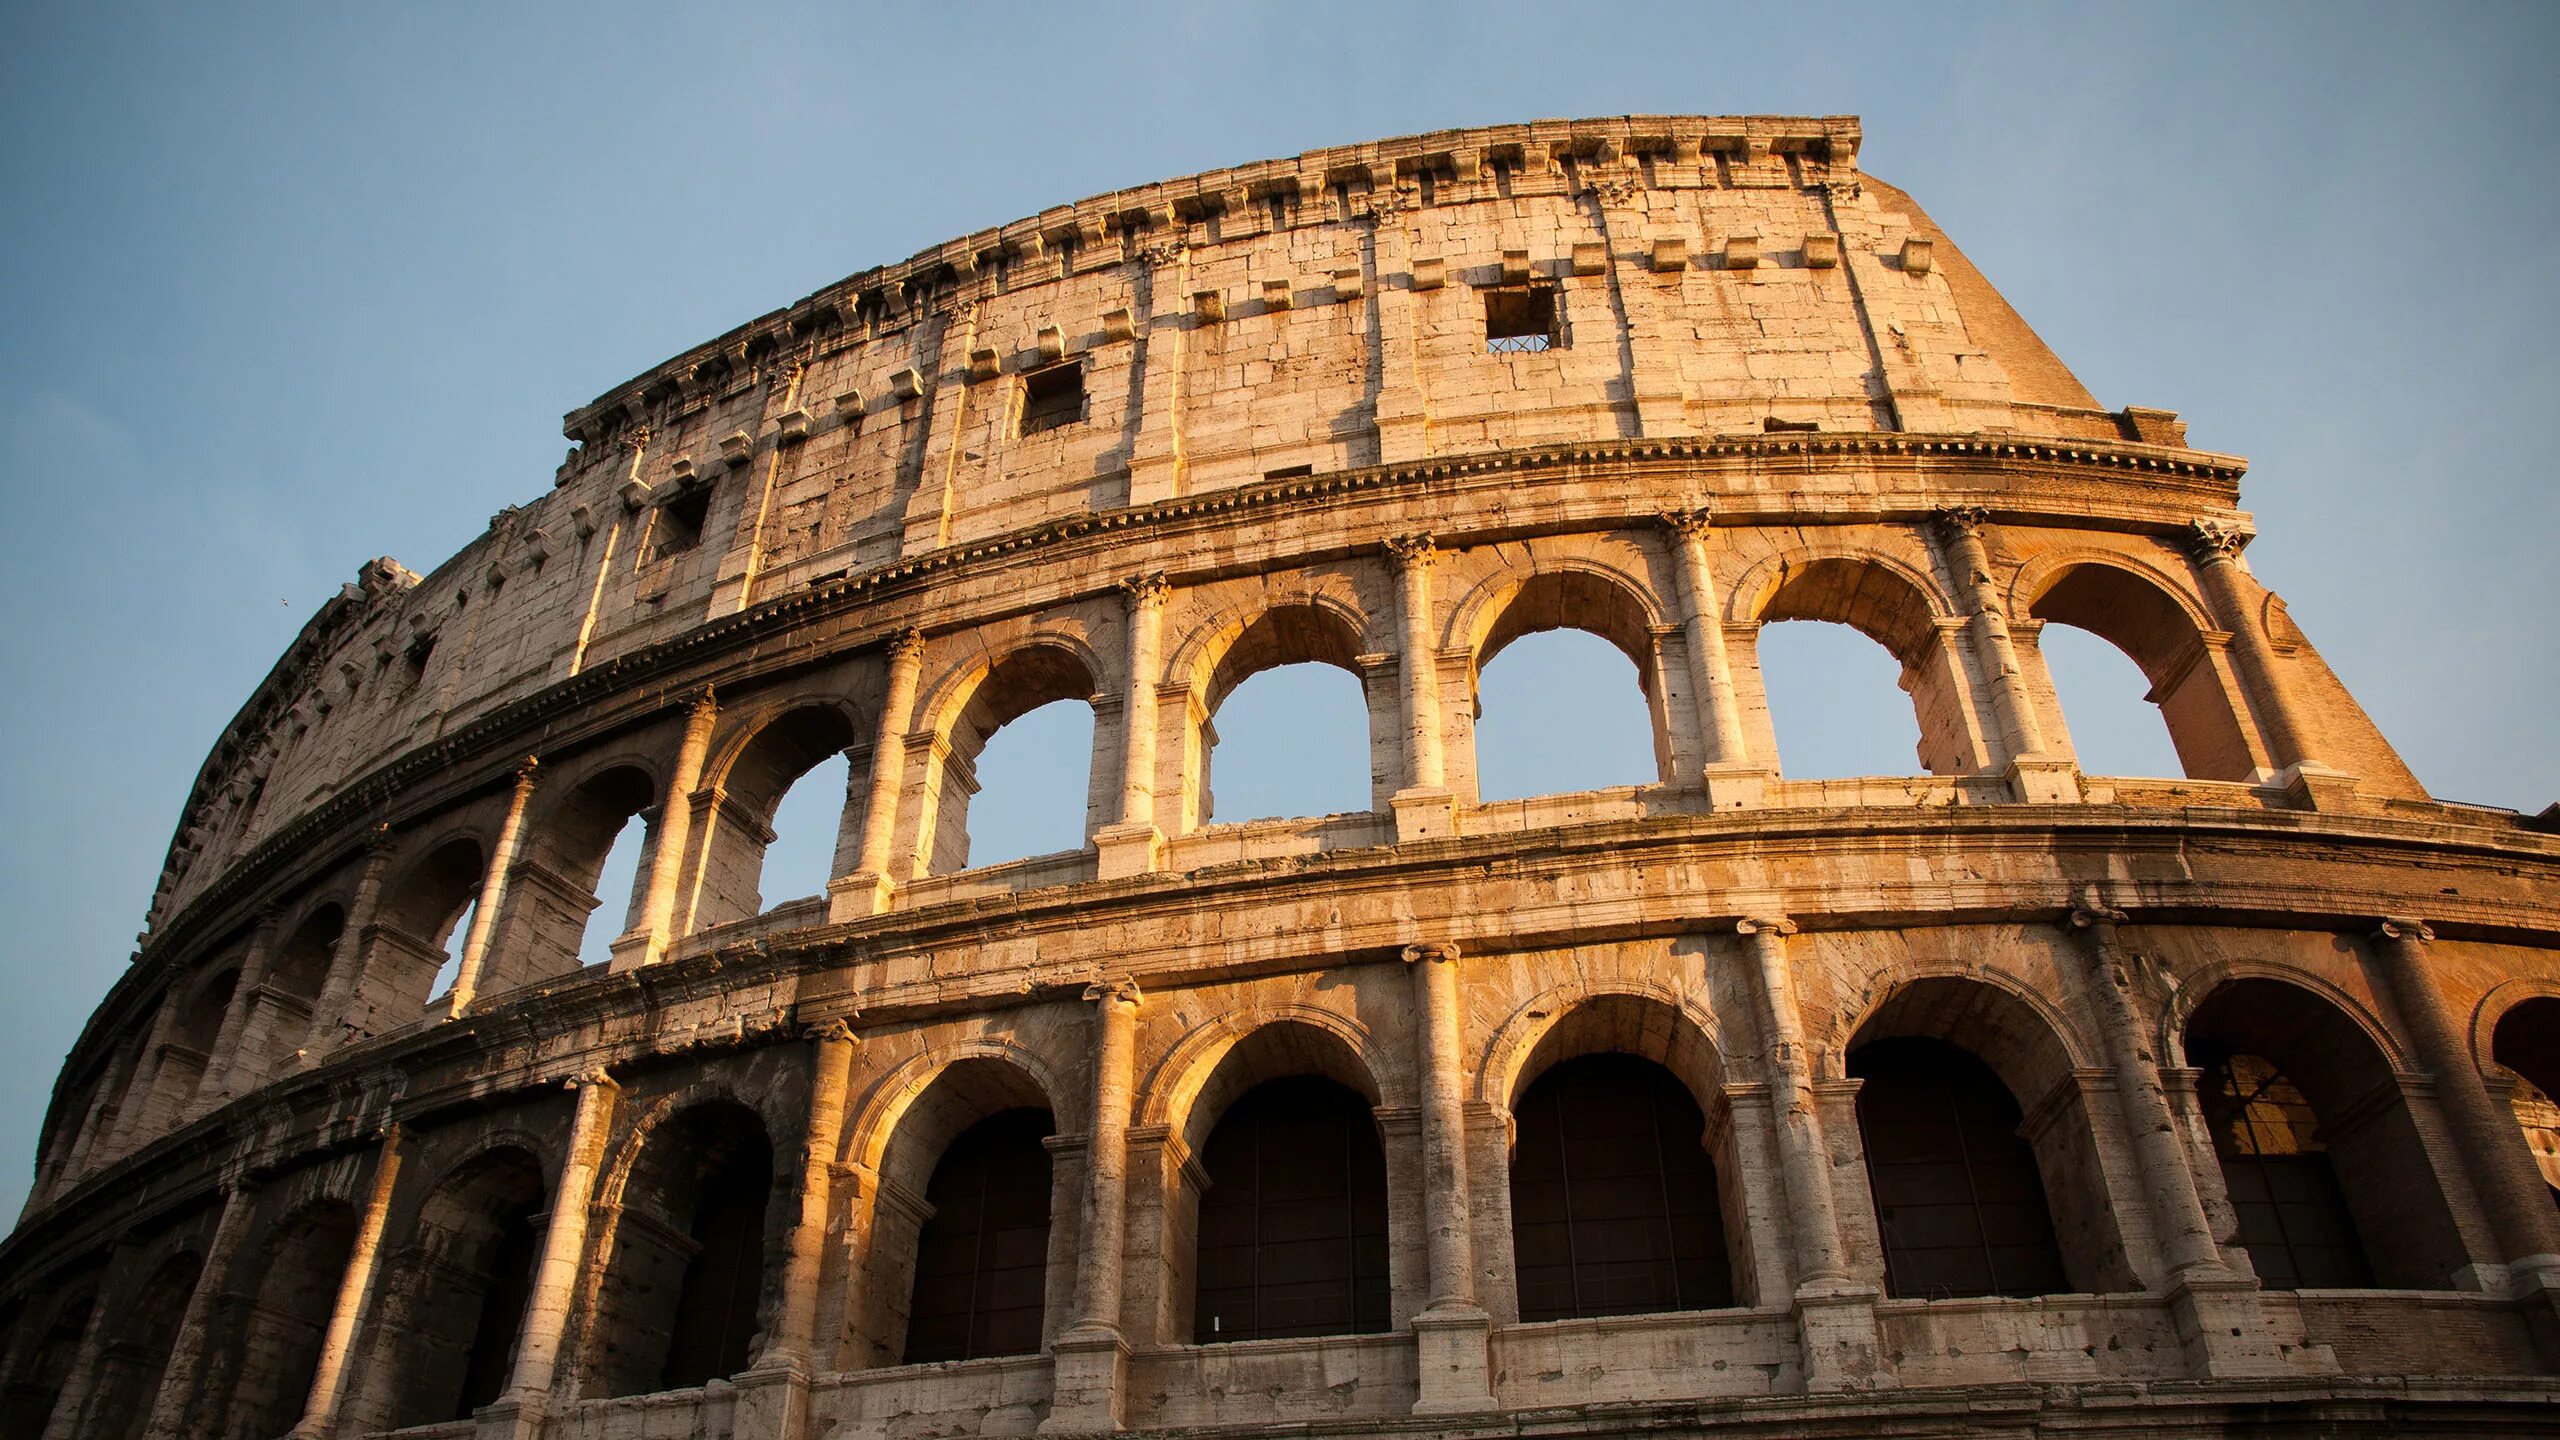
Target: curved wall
[[1388, 408]]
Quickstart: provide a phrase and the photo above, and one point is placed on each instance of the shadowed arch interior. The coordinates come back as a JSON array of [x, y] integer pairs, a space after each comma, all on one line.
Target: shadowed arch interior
[[553, 897], [37, 1382], [982, 1255], [682, 1287], [2527, 1041], [291, 1291], [129, 1369], [418, 934], [2317, 1145], [465, 1278]]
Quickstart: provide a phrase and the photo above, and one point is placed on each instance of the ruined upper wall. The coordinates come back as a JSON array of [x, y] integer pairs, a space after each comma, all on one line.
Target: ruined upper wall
[[1309, 315]]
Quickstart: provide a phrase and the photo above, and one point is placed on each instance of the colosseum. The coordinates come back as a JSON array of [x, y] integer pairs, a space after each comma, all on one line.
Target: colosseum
[[1995, 1098]]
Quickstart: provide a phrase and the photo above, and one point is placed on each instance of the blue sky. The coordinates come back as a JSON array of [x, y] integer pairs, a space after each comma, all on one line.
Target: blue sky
[[283, 288]]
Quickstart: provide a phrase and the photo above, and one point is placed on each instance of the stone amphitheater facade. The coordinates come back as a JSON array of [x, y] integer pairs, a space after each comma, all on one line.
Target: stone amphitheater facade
[[1996, 1098]]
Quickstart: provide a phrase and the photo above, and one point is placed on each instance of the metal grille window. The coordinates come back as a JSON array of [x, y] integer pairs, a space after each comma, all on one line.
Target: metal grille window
[[2293, 1216], [1613, 1198], [1052, 397], [1957, 1193], [982, 1260], [1293, 1226], [1520, 320]]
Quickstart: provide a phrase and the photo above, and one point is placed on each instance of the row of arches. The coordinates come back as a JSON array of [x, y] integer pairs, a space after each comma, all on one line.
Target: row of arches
[[1626, 1168]]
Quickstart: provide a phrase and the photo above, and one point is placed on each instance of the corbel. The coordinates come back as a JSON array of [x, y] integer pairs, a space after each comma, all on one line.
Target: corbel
[[1276, 295], [906, 382], [792, 425], [982, 362], [1515, 267], [680, 471], [736, 448], [1209, 305], [1347, 283], [1919, 256], [1118, 326], [1051, 342], [1821, 251], [1590, 257], [1670, 254], [849, 400], [1742, 252], [1430, 272]]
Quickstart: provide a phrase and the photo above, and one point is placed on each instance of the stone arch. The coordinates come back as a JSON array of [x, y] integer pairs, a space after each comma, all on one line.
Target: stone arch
[[773, 747], [965, 709], [134, 1358], [423, 902], [2193, 990], [684, 1271], [1170, 1094], [2146, 615], [1636, 1016], [1891, 603], [911, 1119], [574, 823], [2516, 1029], [2031, 1049], [1571, 593], [292, 1287], [2317, 1060], [52, 1347], [1234, 645], [455, 1299]]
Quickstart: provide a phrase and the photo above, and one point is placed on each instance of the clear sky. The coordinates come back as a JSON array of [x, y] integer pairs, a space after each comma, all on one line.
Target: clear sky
[[283, 288]]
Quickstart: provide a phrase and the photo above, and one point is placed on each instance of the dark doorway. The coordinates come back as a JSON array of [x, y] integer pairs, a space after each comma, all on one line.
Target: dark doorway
[[982, 1259], [1613, 1199], [1293, 1226], [1957, 1193], [2293, 1216]]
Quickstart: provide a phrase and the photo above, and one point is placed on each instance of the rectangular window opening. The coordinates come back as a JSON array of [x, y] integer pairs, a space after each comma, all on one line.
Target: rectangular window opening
[[1052, 397], [680, 522], [1520, 320]]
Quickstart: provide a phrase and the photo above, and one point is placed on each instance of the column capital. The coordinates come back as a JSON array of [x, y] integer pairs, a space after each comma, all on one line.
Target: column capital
[[1123, 991], [1440, 952], [1145, 591], [2403, 928], [527, 770], [1689, 523], [2212, 541], [906, 643], [1412, 551], [598, 1078], [1961, 522], [380, 841], [702, 703], [1764, 925], [2084, 917], [835, 1029]]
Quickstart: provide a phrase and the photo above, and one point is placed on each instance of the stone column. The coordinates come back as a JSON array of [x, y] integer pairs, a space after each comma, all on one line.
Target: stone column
[[867, 890], [1093, 1354], [1160, 326], [346, 963], [1135, 845], [518, 1413], [355, 1290], [222, 1072], [773, 1396], [493, 893], [1423, 807], [648, 942], [1452, 1330], [2510, 1186], [2033, 775], [176, 1398], [2215, 547], [1835, 1316], [1732, 781]]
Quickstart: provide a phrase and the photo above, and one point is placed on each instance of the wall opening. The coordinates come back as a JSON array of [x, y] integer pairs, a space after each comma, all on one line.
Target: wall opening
[[1052, 397], [2527, 1042], [37, 1383], [1293, 1225], [2148, 626], [982, 1257], [2275, 1167], [679, 1300], [465, 1279], [1835, 703], [1292, 740], [619, 876], [1521, 320], [130, 1367], [1614, 1202], [1958, 1196], [294, 1287], [802, 750], [809, 833], [1015, 736], [2115, 726], [1568, 655]]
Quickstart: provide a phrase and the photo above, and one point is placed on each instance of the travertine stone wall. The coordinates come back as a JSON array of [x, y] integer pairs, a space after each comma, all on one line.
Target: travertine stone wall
[[279, 1172]]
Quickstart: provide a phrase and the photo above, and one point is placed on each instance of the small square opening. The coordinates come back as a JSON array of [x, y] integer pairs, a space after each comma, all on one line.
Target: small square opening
[[680, 521], [1520, 319], [1052, 397]]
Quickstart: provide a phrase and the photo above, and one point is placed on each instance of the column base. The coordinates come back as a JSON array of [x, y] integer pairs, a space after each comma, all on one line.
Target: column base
[[510, 1417], [1402, 438], [2314, 786], [1736, 787], [1836, 1326], [1424, 813], [1452, 1346], [2226, 1332], [859, 896], [2533, 1282], [1125, 850], [773, 1401], [1659, 414], [2044, 780], [631, 951], [1088, 1376]]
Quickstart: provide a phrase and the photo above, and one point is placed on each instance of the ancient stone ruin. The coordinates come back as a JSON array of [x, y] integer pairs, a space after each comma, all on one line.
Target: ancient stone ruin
[[1997, 1097]]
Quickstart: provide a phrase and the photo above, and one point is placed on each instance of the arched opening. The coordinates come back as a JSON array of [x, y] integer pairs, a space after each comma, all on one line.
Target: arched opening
[[1293, 1224], [1296, 739], [421, 926], [1829, 709], [982, 1257], [282, 1009], [1983, 1165], [2321, 1161], [1038, 765], [1555, 661], [2150, 628], [2106, 703], [572, 890], [971, 1137], [685, 1275], [467, 1277], [294, 1286], [1614, 1204], [36, 1385], [751, 863], [130, 1367], [2527, 1042], [189, 1054], [1957, 1194]]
